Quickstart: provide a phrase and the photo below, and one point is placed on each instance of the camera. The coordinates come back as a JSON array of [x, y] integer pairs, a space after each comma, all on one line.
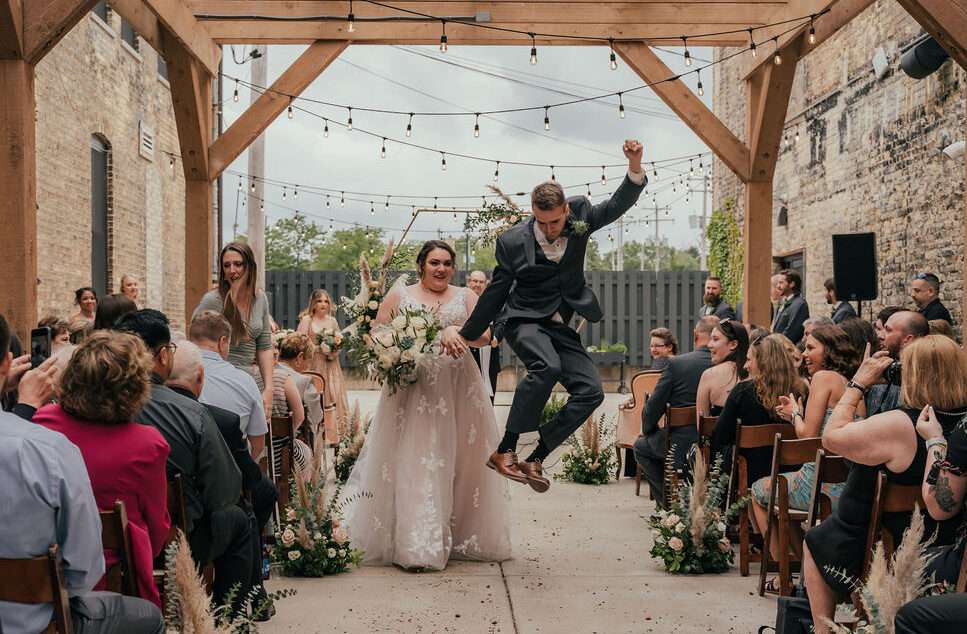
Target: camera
[[892, 373]]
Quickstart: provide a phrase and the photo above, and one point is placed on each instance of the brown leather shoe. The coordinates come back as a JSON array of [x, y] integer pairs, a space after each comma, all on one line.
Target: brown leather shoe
[[534, 473], [506, 465]]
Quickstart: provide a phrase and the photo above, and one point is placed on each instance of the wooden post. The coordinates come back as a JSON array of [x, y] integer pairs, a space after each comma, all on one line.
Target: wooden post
[[18, 195], [198, 242], [757, 240]]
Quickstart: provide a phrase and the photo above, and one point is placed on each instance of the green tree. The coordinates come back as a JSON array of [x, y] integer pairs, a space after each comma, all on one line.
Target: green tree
[[341, 249], [725, 256], [594, 260], [671, 258], [291, 243]]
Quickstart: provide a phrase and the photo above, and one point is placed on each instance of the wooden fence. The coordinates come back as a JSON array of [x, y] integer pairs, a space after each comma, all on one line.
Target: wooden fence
[[633, 302]]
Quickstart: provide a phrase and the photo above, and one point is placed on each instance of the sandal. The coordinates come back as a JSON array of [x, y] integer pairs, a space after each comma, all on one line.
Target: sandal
[[772, 586]]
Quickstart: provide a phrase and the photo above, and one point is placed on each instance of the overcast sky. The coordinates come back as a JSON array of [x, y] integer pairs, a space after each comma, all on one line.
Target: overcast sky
[[423, 79]]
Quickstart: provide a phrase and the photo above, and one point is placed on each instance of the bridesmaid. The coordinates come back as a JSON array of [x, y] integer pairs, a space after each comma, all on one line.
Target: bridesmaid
[[318, 319]]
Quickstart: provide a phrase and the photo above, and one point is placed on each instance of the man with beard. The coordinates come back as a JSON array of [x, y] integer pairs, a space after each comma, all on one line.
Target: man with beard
[[714, 304], [900, 329]]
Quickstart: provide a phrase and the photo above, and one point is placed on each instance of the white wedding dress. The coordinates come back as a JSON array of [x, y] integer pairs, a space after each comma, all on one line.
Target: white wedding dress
[[427, 495]]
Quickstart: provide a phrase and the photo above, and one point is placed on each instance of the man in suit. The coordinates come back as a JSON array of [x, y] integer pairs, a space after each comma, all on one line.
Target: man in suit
[[714, 304], [925, 291], [677, 387], [487, 357], [537, 287], [793, 309], [841, 310]]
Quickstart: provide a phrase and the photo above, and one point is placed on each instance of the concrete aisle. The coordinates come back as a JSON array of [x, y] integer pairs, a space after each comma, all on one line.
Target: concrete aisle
[[580, 565]]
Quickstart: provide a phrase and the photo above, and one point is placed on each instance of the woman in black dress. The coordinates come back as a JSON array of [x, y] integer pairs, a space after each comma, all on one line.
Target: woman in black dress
[[886, 442], [729, 347]]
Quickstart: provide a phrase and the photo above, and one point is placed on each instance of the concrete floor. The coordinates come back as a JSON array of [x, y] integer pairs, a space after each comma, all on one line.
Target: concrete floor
[[580, 565]]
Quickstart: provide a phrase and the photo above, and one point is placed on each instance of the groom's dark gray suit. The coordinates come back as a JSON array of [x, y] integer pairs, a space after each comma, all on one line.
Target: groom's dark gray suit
[[527, 290]]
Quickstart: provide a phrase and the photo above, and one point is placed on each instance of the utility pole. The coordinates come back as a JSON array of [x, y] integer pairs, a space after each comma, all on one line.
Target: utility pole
[[256, 171], [621, 244], [700, 222], [656, 219]]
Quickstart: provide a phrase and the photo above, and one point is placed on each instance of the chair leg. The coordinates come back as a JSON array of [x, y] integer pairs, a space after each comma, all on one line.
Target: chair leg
[[617, 451], [744, 551], [766, 557], [637, 479], [785, 574]]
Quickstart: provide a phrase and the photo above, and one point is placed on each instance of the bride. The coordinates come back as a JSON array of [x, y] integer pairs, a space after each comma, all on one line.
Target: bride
[[428, 496]]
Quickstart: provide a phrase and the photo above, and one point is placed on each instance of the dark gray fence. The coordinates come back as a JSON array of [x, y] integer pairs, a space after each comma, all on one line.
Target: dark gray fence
[[634, 302]]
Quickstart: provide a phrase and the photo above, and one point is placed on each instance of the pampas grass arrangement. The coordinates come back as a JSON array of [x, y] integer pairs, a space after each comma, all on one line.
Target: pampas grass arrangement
[[591, 457], [352, 434]]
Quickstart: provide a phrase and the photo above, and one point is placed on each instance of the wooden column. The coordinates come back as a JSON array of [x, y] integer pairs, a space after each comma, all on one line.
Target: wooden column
[[198, 242], [18, 195], [757, 242]]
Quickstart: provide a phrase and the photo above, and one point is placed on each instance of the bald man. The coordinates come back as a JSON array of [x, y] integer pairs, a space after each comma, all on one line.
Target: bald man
[[477, 282], [487, 357]]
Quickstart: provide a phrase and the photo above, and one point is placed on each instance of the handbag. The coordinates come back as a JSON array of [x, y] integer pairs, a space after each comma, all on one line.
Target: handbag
[[792, 615]]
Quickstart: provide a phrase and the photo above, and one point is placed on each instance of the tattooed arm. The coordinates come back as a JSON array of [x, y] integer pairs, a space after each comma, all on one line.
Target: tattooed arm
[[944, 481]]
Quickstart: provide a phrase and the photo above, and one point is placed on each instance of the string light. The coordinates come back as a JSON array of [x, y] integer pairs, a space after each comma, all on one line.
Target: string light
[[812, 29], [325, 130], [372, 209], [387, 203], [351, 19], [171, 163], [434, 202], [797, 134], [752, 45], [476, 126], [349, 123], [589, 190], [239, 183], [342, 199], [533, 49], [701, 89], [691, 168], [290, 111], [604, 179], [621, 107], [443, 36], [235, 94], [497, 172], [252, 186], [327, 201], [443, 161], [409, 126], [552, 174], [777, 58], [547, 119], [295, 192], [655, 173], [283, 192], [688, 56], [382, 150], [614, 58]]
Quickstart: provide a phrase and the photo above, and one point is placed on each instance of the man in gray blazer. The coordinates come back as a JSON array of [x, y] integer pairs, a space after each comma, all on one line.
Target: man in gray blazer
[[678, 387], [537, 287]]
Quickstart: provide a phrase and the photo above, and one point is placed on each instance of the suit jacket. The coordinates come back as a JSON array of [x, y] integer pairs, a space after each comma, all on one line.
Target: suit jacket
[[525, 287], [722, 310], [789, 320], [936, 310], [678, 387], [843, 312]]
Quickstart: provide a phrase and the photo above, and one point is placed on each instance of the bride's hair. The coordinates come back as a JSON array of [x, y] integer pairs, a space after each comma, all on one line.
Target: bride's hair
[[428, 246]]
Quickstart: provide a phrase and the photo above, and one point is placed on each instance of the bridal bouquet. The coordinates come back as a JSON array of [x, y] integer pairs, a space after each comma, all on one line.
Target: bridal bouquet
[[329, 341], [394, 350], [592, 456], [690, 535]]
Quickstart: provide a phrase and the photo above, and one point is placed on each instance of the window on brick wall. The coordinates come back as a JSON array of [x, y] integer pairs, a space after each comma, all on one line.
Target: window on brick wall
[[128, 34], [100, 214], [162, 67], [102, 11]]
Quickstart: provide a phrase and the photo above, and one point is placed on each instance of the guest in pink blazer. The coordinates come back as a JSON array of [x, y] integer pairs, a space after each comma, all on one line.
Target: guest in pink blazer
[[104, 386]]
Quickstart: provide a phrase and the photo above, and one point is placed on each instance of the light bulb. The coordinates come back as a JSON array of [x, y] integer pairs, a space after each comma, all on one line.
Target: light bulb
[[552, 173], [476, 127], [497, 172], [621, 107], [812, 32], [604, 179], [349, 123], [283, 192], [688, 56], [409, 126], [235, 94], [777, 58], [443, 162], [701, 89], [382, 150], [290, 111], [239, 183], [443, 43], [752, 45], [613, 58], [533, 49], [547, 119]]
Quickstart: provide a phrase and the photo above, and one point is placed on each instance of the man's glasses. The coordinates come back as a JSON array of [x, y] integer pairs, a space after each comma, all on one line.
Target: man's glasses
[[172, 346]]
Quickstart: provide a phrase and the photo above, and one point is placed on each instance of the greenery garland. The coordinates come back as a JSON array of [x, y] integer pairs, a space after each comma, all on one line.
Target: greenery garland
[[725, 252]]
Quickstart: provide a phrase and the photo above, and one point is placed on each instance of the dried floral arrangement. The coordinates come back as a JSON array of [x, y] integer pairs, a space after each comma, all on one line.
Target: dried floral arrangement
[[352, 434], [591, 457]]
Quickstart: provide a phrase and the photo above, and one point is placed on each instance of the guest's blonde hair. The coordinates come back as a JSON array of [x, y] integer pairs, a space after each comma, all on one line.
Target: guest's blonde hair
[[292, 344], [934, 373], [775, 372], [317, 294]]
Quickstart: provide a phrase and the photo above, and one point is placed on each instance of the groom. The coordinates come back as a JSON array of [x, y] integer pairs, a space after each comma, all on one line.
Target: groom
[[537, 287]]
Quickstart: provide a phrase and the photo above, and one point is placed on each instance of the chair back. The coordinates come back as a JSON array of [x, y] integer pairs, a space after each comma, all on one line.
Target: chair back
[[35, 581], [116, 536], [643, 384], [679, 416], [706, 427], [829, 470], [280, 462], [753, 437], [176, 507], [888, 498]]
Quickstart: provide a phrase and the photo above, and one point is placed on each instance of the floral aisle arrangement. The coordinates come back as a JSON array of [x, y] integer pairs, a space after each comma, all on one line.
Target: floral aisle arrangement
[[352, 434], [690, 535], [311, 541], [591, 457], [188, 607]]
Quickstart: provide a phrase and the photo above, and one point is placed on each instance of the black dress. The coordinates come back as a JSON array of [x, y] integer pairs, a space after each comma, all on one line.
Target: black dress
[[947, 559], [839, 543], [743, 406]]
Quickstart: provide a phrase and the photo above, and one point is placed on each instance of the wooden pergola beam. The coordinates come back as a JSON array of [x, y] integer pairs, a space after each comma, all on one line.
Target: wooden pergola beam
[[946, 21], [689, 108], [45, 23], [271, 103], [11, 29], [143, 20], [180, 23]]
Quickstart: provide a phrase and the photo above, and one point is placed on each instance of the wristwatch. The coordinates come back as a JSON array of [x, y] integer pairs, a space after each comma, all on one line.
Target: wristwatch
[[851, 383]]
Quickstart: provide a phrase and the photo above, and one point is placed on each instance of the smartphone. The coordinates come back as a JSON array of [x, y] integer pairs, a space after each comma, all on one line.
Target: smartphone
[[40, 345]]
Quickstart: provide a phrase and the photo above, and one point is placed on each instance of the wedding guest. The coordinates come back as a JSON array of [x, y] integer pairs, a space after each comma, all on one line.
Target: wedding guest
[[793, 309], [840, 310], [79, 327], [900, 329], [830, 359], [487, 357], [111, 308], [677, 387], [728, 346], [925, 292], [44, 479], [227, 386], [662, 347], [59, 330], [85, 298], [811, 324], [713, 304], [218, 530], [776, 287], [883, 443], [130, 287], [860, 334], [941, 327], [754, 402], [105, 384], [318, 319], [882, 316], [247, 310], [477, 282], [294, 352]]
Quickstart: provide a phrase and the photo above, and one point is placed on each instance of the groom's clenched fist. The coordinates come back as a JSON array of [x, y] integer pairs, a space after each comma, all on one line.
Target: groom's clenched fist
[[633, 152]]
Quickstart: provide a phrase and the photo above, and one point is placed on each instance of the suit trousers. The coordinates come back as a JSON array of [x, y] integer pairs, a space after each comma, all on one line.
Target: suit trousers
[[552, 352], [933, 615], [227, 541], [650, 455], [112, 613]]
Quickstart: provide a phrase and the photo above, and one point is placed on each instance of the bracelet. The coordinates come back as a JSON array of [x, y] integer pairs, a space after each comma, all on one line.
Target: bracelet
[[933, 442], [862, 388]]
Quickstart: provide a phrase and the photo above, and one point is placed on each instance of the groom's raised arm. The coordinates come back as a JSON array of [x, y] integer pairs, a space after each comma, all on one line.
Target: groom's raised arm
[[493, 298]]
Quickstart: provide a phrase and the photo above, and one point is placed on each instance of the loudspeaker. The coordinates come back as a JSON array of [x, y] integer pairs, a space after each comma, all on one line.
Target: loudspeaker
[[854, 266]]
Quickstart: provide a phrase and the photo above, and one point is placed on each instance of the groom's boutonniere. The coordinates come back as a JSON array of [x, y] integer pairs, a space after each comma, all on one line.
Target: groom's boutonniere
[[575, 228]]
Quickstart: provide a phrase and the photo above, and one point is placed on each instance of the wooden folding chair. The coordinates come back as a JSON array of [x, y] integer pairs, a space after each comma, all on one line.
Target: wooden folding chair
[[122, 577], [829, 470], [888, 498], [35, 581], [750, 437], [629, 424], [675, 417], [281, 465], [785, 453], [706, 427]]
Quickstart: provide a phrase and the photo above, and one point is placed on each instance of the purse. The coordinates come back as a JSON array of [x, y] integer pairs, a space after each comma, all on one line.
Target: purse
[[792, 615]]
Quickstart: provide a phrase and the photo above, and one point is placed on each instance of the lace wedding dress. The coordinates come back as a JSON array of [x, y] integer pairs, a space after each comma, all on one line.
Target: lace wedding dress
[[423, 464]]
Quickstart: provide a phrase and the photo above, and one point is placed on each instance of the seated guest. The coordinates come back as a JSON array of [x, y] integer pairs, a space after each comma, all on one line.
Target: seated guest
[[942, 327], [47, 499], [295, 352], [811, 324], [663, 346], [225, 385], [860, 334], [840, 311], [289, 396], [728, 346], [882, 317], [59, 330], [111, 308], [940, 614], [78, 328], [900, 329], [754, 402], [829, 359], [713, 303], [677, 387], [85, 298], [105, 384], [218, 530], [925, 292], [887, 442]]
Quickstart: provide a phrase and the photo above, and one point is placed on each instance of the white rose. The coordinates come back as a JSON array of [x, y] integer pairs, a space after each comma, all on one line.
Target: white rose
[[679, 527], [331, 553], [317, 536], [288, 537], [670, 520], [290, 515], [676, 544], [725, 545], [721, 527], [399, 322], [294, 554], [656, 533], [342, 553], [339, 535], [373, 305]]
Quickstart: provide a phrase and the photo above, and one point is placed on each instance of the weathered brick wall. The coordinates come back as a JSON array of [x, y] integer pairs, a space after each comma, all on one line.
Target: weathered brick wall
[[92, 83], [868, 159]]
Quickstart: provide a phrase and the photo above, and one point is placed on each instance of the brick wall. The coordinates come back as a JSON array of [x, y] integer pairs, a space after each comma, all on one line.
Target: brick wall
[[868, 159], [92, 83]]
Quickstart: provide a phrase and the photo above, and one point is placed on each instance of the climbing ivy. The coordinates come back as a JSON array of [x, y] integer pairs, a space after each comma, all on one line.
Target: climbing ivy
[[725, 251]]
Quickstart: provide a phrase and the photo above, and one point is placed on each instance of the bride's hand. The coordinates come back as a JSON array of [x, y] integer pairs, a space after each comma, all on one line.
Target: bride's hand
[[453, 344]]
